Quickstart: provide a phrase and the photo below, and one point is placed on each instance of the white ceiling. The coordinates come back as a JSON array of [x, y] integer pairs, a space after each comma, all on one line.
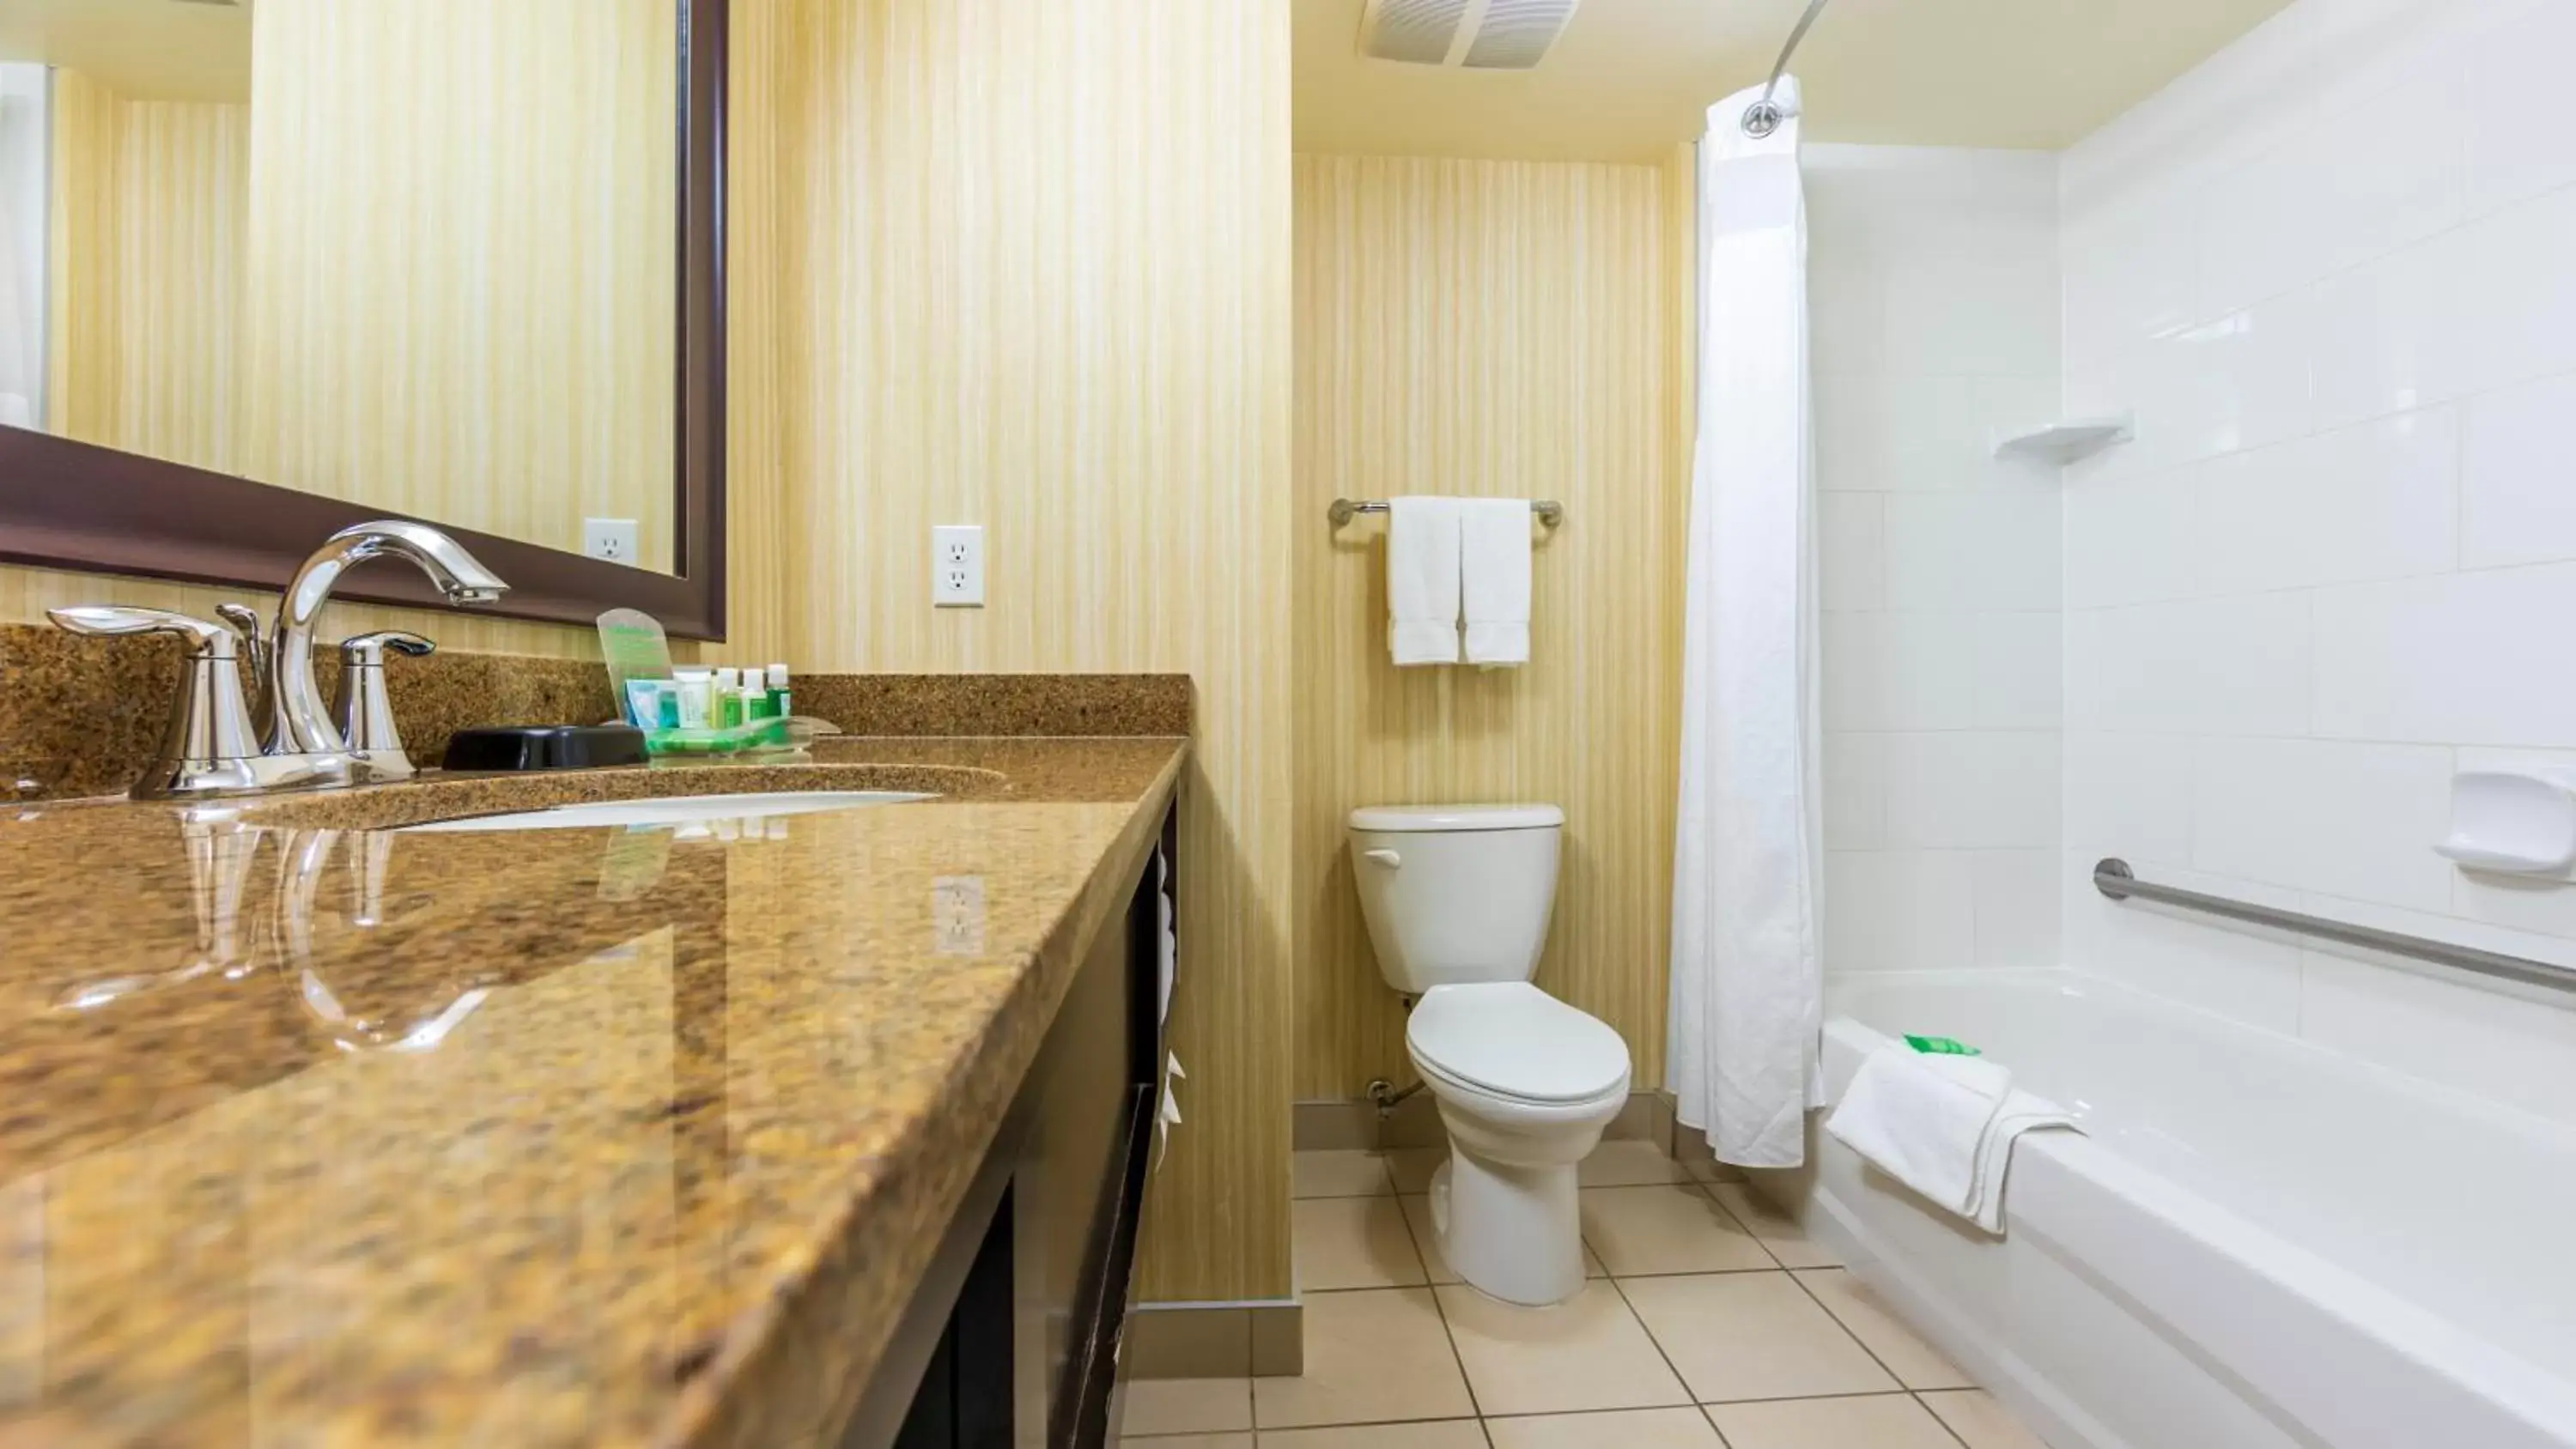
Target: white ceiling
[[165, 50], [1630, 78]]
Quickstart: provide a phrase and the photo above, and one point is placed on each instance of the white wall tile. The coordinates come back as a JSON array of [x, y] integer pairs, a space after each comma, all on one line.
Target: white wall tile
[[1994, 551], [1853, 552], [2129, 796], [1909, 910], [1942, 669], [2020, 674], [2348, 819], [2456, 659], [1973, 790], [2017, 907], [1909, 671], [2388, 165], [2391, 335], [2376, 501], [2520, 277], [2332, 566], [2260, 229], [1854, 777], [2136, 540], [2520, 110], [2237, 666], [2248, 377], [2518, 467]]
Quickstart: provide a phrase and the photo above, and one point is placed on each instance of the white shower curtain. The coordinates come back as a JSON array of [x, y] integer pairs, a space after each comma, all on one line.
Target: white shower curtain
[[1747, 986]]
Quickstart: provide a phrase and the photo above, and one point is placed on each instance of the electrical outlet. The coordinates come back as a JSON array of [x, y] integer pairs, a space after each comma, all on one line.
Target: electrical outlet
[[957, 566], [612, 539]]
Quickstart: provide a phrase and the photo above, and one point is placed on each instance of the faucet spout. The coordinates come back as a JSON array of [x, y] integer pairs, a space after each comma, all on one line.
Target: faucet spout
[[302, 722]]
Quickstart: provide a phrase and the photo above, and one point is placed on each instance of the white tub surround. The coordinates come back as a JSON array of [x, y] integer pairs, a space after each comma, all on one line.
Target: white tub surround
[[2258, 1243]]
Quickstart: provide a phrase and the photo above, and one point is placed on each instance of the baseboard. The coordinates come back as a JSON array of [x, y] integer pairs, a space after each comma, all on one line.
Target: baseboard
[[1265, 1338], [1354, 1126]]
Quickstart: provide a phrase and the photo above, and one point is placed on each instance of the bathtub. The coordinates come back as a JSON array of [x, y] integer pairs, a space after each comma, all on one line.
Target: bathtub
[[2258, 1243]]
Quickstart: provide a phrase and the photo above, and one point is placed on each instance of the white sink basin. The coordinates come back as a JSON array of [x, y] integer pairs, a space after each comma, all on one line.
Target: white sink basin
[[676, 810]]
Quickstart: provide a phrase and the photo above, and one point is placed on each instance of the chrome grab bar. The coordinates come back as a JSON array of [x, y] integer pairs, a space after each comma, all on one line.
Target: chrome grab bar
[[2113, 878]]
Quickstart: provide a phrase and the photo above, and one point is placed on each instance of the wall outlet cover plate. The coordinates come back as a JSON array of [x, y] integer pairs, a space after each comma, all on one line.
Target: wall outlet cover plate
[[957, 566]]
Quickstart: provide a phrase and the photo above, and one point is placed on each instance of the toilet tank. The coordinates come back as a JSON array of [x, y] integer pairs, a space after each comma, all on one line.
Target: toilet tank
[[1456, 893]]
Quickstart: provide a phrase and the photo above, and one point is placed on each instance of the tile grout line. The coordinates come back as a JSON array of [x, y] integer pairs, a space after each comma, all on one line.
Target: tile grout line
[[1422, 1260], [1669, 1366], [1883, 1366]]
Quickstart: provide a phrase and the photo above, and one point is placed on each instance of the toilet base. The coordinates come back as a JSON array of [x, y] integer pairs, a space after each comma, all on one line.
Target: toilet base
[[1513, 1232]]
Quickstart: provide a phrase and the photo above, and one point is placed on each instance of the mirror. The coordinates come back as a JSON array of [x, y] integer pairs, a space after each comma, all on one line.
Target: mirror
[[429, 258]]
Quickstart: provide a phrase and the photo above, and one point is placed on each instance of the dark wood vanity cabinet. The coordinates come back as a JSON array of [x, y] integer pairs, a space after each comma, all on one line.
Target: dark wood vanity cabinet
[[1012, 1338]]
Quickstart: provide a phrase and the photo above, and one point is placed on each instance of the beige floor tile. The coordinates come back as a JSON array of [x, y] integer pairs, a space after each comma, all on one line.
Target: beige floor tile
[[1187, 1406], [1773, 1228], [1188, 1441], [1752, 1336], [1338, 1174], [1629, 1429], [1629, 1163], [1352, 1242], [1980, 1421], [1917, 1364], [1709, 1169], [1668, 1229], [1417, 1216], [1589, 1352], [1887, 1421], [1413, 1166], [1443, 1434], [1370, 1357]]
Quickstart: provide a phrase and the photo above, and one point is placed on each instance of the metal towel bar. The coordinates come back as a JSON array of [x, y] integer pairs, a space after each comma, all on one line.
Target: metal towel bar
[[2113, 878], [1549, 511]]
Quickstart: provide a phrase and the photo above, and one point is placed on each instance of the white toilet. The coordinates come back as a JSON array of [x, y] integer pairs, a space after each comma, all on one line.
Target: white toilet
[[1457, 900]]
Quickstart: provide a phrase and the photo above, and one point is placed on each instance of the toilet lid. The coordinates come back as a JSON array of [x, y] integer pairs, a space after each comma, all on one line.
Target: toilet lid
[[1515, 1040]]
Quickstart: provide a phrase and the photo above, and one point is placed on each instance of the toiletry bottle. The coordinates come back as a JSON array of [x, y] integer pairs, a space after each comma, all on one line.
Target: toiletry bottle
[[781, 699], [728, 701], [755, 695], [695, 688]]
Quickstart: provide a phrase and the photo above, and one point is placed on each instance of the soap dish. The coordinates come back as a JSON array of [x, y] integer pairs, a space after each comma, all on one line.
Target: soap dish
[[2512, 822]]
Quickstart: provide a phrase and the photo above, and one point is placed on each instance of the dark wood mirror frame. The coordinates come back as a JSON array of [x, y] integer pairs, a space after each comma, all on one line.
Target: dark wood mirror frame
[[71, 505]]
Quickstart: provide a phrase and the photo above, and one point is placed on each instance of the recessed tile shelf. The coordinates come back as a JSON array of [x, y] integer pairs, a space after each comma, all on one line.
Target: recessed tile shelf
[[2064, 442]]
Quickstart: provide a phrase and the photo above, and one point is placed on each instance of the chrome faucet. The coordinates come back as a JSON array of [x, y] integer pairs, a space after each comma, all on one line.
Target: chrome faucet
[[216, 744], [301, 721]]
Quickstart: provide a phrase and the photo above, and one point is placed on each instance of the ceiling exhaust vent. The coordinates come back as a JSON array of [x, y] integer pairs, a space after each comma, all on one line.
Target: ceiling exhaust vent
[[1473, 34]]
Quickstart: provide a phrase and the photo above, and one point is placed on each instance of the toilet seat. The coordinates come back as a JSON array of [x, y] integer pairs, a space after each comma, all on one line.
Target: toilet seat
[[1511, 1040]]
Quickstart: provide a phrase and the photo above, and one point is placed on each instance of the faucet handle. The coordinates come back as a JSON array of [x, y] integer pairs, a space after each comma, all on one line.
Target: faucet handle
[[213, 641], [362, 706], [209, 747], [365, 651]]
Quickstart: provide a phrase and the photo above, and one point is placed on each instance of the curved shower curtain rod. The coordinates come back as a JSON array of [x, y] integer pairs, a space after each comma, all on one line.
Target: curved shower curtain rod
[[1763, 117]]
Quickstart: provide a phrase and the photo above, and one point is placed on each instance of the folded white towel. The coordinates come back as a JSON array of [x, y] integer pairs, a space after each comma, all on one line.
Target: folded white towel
[[1494, 539], [1422, 580], [1942, 1125]]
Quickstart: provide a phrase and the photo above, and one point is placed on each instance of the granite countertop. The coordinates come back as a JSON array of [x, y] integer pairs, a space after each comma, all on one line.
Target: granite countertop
[[319, 1134]]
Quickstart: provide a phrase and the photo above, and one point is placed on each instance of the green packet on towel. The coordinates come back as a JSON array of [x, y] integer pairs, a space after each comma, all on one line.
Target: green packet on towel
[[1941, 1046]]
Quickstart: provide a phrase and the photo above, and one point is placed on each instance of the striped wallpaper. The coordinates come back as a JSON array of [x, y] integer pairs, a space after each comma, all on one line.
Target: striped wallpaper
[[462, 266], [1509, 329], [1039, 257], [149, 214]]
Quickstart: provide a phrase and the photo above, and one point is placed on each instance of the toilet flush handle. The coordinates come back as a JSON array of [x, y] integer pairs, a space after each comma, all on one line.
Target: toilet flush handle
[[1387, 858]]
